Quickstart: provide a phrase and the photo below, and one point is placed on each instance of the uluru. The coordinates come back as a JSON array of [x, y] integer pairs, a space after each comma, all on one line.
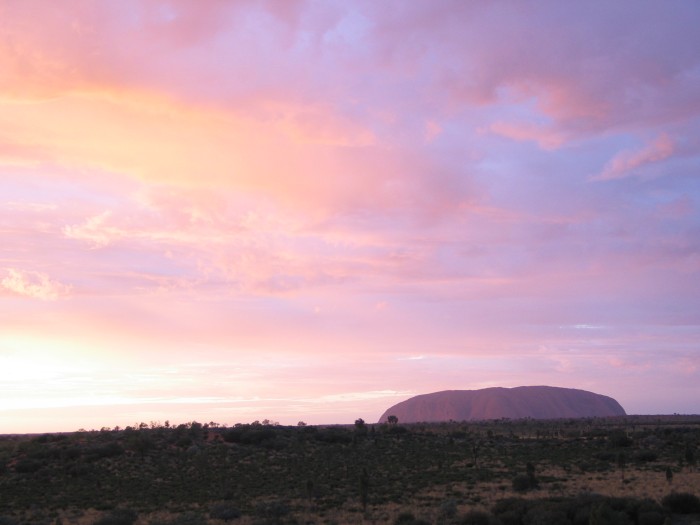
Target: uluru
[[536, 402]]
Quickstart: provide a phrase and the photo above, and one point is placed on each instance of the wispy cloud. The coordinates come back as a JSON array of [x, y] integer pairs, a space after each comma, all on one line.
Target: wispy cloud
[[546, 138], [631, 162], [35, 285]]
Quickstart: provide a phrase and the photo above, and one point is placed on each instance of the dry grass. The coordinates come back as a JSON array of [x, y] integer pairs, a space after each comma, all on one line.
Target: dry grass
[[636, 483]]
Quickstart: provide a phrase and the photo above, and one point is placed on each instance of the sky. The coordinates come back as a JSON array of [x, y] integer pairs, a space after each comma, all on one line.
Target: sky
[[299, 210]]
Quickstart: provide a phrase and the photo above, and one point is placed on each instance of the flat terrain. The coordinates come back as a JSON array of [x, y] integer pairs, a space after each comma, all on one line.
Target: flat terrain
[[580, 471]]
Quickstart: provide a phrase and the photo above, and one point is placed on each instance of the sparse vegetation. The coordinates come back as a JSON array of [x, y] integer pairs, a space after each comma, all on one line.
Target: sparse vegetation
[[498, 473]]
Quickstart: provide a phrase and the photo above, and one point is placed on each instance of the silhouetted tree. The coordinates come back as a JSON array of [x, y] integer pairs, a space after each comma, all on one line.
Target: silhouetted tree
[[392, 419], [360, 427]]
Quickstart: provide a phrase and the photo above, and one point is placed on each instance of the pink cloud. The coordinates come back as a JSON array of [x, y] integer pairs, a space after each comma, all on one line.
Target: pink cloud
[[627, 163], [36, 285], [94, 231], [298, 195], [545, 138], [678, 208]]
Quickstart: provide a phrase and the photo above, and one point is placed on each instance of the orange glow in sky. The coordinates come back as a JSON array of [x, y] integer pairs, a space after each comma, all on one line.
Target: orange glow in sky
[[230, 211]]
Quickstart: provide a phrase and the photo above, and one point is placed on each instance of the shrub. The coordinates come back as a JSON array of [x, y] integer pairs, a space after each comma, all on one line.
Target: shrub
[[651, 518], [619, 439], [106, 451], [523, 483], [118, 517], [224, 511], [250, 434], [602, 514], [71, 453], [475, 517], [448, 510], [645, 456], [647, 506], [27, 466], [395, 429], [406, 518], [510, 511], [272, 511], [605, 455], [681, 503], [332, 435], [187, 518]]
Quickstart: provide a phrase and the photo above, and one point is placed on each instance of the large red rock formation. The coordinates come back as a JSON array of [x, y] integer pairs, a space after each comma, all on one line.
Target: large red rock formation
[[537, 402]]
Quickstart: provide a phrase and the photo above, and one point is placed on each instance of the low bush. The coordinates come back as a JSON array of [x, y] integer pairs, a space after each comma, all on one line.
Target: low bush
[[651, 518], [108, 450], [448, 511], [510, 511], [619, 439], [476, 517], [272, 511], [523, 483], [224, 511], [645, 456], [118, 517], [604, 514], [250, 435], [186, 518], [27, 466], [681, 503], [407, 518]]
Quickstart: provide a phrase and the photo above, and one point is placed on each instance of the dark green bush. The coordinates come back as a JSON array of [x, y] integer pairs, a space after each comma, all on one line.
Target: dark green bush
[[186, 518], [448, 510], [273, 511], [548, 512], [523, 483], [681, 503], [118, 517], [645, 456], [651, 518], [224, 511], [406, 518], [108, 450], [250, 435], [27, 466], [510, 511], [71, 453], [605, 455], [619, 439], [332, 435], [476, 517], [604, 514]]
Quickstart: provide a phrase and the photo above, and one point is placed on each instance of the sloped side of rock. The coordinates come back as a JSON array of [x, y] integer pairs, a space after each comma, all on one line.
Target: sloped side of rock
[[537, 402]]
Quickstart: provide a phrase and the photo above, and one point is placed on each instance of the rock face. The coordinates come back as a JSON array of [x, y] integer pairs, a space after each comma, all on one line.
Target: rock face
[[537, 402]]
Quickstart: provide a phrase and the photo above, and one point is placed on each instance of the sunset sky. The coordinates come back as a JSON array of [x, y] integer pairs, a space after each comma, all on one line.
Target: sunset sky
[[311, 210]]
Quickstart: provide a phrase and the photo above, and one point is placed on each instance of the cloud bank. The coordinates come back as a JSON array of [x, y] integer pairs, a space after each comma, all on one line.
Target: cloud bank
[[299, 195]]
